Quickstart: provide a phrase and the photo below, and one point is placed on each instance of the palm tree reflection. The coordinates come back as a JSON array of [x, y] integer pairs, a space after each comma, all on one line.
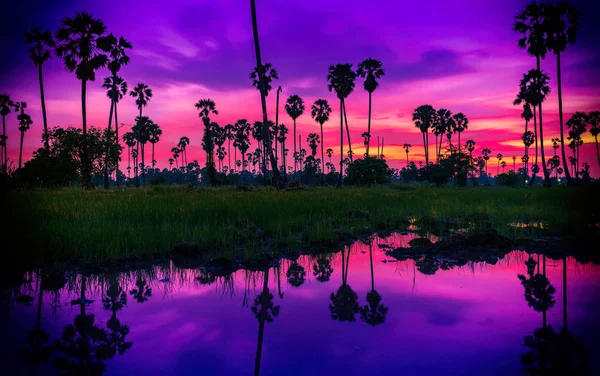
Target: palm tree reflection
[[374, 312], [265, 311], [322, 269], [344, 302]]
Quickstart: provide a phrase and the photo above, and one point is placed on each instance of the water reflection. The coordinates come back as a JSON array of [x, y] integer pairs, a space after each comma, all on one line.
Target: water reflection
[[171, 320]]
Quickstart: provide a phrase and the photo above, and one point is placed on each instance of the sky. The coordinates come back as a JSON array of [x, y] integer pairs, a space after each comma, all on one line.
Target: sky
[[460, 55]]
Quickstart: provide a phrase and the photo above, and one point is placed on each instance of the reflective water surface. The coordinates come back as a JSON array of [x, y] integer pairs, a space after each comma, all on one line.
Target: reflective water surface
[[357, 311]]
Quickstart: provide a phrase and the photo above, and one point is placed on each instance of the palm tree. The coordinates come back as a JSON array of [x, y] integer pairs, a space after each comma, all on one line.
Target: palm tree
[[322, 269], [577, 126], [142, 94], [313, 143], [263, 93], [141, 129], [154, 133], [424, 117], [499, 156], [39, 55], [277, 121], [270, 74], [594, 121], [514, 158], [406, 149], [81, 44], [176, 151], [374, 312], [206, 108], [294, 107], [242, 138], [265, 311], [116, 89], [114, 301], [329, 153], [527, 115], [182, 145], [341, 79], [5, 105], [130, 141], [534, 87], [445, 124], [283, 132], [486, 156], [344, 302], [503, 164], [461, 123], [229, 134], [561, 23], [371, 70], [24, 125], [320, 112]]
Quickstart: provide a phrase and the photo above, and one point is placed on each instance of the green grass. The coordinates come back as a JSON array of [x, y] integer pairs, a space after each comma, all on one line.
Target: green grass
[[96, 226]]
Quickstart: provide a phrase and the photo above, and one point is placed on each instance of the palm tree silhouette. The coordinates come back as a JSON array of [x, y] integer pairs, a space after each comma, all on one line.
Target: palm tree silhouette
[[142, 291], [206, 108], [296, 274], [461, 124], [561, 23], [424, 117], [176, 152], [294, 107], [141, 130], [534, 87], [114, 301], [154, 133], [182, 145], [39, 55], [344, 303], [486, 156], [371, 70], [130, 140], [229, 134], [407, 149], [499, 157], [594, 121], [527, 115], [373, 313], [269, 74], [142, 94], [341, 79], [82, 44], [322, 269], [263, 94], [5, 105], [446, 124], [283, 132], [320, 112], [242, 138], [116, 89], [24, 125], [514, 163], [577, 126], [265, 311], [220, 136], [118, 58], [503, 165]]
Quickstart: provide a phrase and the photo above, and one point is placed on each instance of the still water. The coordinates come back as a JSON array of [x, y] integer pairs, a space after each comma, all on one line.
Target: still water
[[356, 311]]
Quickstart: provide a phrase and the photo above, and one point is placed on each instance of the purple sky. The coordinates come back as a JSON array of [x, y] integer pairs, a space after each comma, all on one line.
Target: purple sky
[[461, 55]]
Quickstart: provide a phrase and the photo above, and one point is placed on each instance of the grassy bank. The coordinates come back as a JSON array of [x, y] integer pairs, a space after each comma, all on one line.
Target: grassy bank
[[95, 226]]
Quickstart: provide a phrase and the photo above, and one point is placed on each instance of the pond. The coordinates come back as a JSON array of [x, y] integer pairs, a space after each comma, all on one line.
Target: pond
[[354, 311]]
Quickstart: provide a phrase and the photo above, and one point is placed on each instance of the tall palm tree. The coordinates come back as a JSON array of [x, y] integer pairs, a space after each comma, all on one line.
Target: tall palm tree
[[341, 79], [294, 107], [277, 121], [208, 107], [594, 121], [39, 55], [283, 132], [499, 156], [265, 311], [116, 89], [371, 70], [229, 134], [461, 124], [444, 121], [263, 93], [577, 126], [406, 149], [176, 151], [24, 125], [142, 94], [182, 145], [154, 133], [5, 107], [130, 141], [424, 117], [82, 44], [534, 86], [561, 23], [373, 313], [242, 138], [486, 156], [141, 129], [320, 111]]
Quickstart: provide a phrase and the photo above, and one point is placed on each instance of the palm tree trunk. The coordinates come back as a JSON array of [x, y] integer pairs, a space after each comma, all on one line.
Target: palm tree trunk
[[565, 294], [371, 262], [45, 136], [129, 162], [369, 125], [117, 141], [459, 141], [263, 93], [153, 155], [295, 161], [110, 116], [323, 156], [560, 114], [5, 162], [85, 170], [597, 152], [339, 184], [348, 133], [425, 147], [21, 149], [533, 174], [276, 124], [547, 181], [143, 166], [261, 329]]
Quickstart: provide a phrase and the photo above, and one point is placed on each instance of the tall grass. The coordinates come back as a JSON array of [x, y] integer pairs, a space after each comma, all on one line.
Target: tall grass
[[93, 226]]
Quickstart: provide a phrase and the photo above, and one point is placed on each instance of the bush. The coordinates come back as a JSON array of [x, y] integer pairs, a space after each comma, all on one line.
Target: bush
[[509, 179], [368, 171]]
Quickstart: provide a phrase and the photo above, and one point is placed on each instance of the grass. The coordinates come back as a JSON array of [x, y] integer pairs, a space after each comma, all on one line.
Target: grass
[[54, 225]]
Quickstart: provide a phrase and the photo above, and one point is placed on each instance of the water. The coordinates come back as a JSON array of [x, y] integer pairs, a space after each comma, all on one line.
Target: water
[[347, 316]]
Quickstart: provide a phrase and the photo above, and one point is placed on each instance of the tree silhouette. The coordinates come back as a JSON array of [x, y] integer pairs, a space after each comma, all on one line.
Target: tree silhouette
[[320, 112], [141, 130], [445, 123], [594, 121], [424, 117], [114, 301], [341, 80], [269, 74], [207, 107], [322, 269], [182, 145], [294, 107], [142, 291], [265, 311], [577, 126], [371, 70], [82, 45], [560, 25], [39, 55], [373, 313], [130, 140], [242, 137], [142, 94], [344, 302], [296, 274], [116, 89], [154, 133], [499, 157], [461, 124], [407, 149], [5, 108], [25, 122]]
